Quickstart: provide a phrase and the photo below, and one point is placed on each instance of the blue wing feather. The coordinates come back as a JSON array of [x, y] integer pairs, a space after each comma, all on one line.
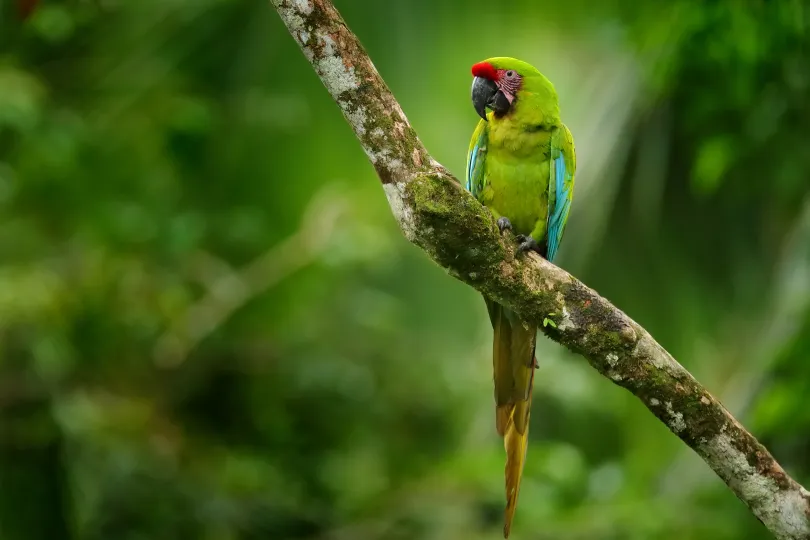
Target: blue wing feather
[[561, 204], [475, 160], [471, 166]]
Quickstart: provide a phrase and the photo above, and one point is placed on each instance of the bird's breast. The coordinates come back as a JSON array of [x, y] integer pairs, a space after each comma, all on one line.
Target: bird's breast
[[517, 176]]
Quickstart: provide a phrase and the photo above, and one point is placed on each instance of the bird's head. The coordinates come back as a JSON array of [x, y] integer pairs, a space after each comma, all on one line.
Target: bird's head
[[498, 82]]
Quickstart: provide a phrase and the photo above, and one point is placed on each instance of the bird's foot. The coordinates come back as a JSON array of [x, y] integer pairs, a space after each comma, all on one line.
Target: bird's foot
[[527, 243], [504, 224]]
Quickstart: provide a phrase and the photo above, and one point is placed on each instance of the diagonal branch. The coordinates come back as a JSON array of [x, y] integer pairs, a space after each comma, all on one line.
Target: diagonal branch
[[437, 214]]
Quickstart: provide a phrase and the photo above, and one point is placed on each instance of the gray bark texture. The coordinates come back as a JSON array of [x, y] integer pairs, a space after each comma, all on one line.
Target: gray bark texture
[[437, 214]]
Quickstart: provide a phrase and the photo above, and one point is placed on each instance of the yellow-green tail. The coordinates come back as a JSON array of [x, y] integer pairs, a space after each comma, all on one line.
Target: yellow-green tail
[[513, 364]]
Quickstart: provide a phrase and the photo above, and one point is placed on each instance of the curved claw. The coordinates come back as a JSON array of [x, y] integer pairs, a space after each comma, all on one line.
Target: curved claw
[[527, 243], [504, 224]]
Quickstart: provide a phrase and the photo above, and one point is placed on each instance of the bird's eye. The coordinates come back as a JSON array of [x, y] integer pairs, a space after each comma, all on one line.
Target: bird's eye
[[510, 73]]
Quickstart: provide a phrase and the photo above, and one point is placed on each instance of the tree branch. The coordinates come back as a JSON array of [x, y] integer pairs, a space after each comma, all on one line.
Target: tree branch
[[457, 232]]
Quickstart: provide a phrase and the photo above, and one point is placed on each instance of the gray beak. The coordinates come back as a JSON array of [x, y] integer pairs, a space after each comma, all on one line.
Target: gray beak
[[483, 94]]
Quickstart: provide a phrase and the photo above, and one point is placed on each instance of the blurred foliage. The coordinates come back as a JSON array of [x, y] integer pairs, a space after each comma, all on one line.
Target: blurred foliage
[[211, 327]]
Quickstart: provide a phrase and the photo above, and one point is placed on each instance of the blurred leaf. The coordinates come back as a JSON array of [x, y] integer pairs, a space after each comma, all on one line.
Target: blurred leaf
[[711, 164], [53, 22], [21, 100]]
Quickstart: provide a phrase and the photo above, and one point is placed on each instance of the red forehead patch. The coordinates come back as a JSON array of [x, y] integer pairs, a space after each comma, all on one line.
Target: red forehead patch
[[485, 70]]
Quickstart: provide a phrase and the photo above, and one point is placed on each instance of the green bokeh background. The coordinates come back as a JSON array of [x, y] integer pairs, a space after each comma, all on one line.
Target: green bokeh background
[[211, 327]]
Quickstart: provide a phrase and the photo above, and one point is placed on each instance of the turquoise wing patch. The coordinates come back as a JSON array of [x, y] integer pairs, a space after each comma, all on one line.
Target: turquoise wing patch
[[471, 158], [559, 201], [475, 160]]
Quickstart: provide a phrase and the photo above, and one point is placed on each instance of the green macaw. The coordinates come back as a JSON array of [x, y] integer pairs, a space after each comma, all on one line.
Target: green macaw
[[520, 165]]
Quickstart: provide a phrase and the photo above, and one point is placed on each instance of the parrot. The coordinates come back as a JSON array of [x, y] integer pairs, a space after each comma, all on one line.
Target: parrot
[[520, 165]]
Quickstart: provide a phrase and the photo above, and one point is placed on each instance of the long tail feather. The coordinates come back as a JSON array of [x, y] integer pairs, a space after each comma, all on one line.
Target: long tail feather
[[515, 443], [513, 365]]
